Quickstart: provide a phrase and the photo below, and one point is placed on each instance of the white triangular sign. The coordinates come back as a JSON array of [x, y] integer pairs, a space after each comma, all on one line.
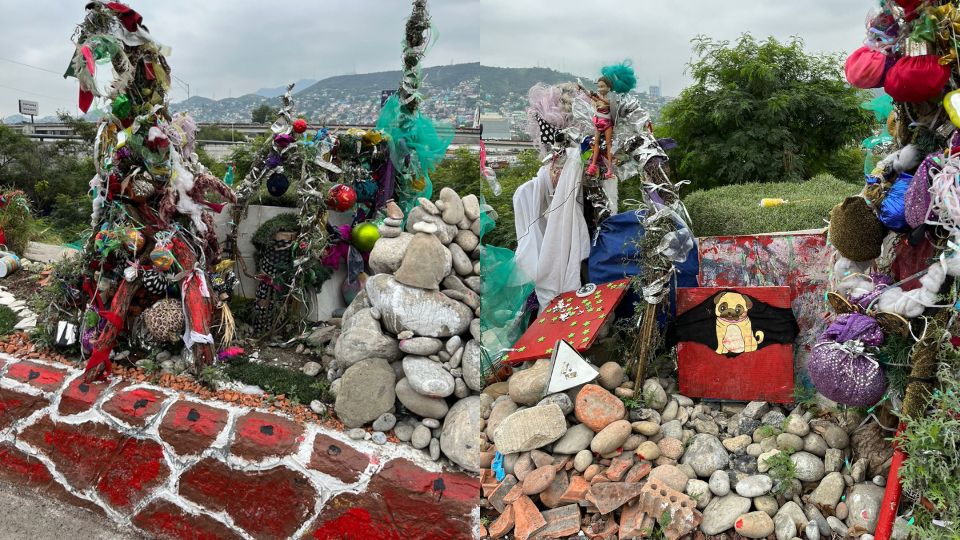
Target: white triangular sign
[[568, 369]]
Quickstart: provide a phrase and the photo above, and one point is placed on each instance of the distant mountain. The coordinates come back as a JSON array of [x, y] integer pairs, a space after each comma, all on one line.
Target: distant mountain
[[20, 119], [278, 91], [453, 93]]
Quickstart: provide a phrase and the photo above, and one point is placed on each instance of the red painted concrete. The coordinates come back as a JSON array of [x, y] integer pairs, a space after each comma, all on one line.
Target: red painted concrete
[[192, 427], [258, 435], [40, 376], [77, 451], [133, 473], [337, 459], [126, 467], [79, 396], [136, 406], [270, 504], [403, 501], [14, 406], [169, 522]]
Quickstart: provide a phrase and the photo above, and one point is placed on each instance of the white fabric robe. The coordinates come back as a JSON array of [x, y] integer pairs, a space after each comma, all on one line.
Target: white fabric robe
[[552, 236]]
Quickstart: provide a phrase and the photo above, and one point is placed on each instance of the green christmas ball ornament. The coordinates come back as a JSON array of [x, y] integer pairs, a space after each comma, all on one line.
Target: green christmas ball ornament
[[364, 236]]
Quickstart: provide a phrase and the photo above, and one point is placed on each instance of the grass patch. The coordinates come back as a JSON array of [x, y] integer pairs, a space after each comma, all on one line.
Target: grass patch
[[782, 470], [299, 388], [8, 320], [733, 210], [766, 431]]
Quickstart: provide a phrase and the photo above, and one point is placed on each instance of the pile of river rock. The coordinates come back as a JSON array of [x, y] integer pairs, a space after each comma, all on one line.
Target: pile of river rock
[[408, 358], [574, 463]]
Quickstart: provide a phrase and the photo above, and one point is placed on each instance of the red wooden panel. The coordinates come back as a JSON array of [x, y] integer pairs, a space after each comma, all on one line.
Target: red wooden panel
[[762, 375], [574, 320]]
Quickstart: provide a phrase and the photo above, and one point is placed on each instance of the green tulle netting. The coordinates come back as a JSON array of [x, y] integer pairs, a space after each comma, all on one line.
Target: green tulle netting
[[417, 145], [503, 296]]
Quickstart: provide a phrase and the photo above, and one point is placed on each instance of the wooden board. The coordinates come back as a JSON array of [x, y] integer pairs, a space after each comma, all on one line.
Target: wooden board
[[762, 375], [570, 318]]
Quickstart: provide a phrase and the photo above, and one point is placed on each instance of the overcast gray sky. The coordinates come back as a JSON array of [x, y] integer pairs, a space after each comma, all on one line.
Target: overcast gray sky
[[579, 36], [231, 47]]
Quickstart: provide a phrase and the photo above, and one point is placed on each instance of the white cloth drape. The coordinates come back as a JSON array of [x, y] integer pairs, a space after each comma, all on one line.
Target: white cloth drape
[[552, 236]]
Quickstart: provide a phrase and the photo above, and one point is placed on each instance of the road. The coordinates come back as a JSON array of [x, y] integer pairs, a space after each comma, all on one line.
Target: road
[[28, 515]]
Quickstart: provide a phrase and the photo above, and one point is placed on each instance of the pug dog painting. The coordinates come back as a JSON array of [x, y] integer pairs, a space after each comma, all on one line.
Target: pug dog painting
[[734, 330]]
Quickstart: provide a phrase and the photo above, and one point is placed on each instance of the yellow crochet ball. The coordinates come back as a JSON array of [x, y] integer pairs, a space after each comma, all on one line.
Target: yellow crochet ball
[[364, 236]]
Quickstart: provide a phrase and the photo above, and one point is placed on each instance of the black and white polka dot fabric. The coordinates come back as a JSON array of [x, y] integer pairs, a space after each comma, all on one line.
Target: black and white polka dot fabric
[[548, 133]]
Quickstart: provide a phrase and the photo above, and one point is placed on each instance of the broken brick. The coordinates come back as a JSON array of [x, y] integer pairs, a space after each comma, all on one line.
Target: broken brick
[[551, 496], [618, 467], [576, 491], [634, 522], [503, 524], [515, 493], [638, 472], [561, 522], [609, 496], [496, 498], [527, 519]]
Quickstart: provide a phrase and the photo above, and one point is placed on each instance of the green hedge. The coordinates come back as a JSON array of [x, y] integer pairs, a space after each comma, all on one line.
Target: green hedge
[[732, 210]]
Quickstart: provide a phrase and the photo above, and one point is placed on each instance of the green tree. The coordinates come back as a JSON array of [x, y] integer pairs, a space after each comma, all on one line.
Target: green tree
[[763, 111], [262, 114]]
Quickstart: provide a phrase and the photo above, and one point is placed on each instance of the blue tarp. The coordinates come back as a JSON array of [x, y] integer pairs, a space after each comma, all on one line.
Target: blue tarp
[[615, 256]]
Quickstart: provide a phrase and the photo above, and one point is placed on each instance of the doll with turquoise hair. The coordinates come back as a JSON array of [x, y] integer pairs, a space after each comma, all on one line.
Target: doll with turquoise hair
[[620, 79]]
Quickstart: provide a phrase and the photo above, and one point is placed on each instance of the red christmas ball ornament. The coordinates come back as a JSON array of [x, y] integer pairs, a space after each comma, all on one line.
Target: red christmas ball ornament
[[341, 197], [299, 125]]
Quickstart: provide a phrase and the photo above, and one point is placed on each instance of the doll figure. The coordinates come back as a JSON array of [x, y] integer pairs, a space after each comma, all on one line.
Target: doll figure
[[620, 79]]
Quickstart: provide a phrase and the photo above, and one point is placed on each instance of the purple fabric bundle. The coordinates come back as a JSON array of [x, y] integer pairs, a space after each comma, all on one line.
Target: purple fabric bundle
[[916, 202], [839, 367]]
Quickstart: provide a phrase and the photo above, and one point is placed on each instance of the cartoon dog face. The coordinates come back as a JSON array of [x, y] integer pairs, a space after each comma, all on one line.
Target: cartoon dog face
[[732, 306]]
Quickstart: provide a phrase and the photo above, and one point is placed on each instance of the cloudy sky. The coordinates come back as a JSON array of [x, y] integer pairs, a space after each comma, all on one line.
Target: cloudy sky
[[223, 48], [580, 36], [229, 48]]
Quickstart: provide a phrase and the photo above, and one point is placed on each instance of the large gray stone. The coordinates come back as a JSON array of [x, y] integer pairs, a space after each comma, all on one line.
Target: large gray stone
[[722, 513], [423, 312], [527, 386], [425, 263], [706, 455], [864, 502], [421, 346], [808, 466], [452, 206], [445, 231], [828, 493], [363, 339], [387, 254], [366, 392], [460, 438], [416, 403], [576, 438], [427, 377], [470, 365], [529, 429]]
